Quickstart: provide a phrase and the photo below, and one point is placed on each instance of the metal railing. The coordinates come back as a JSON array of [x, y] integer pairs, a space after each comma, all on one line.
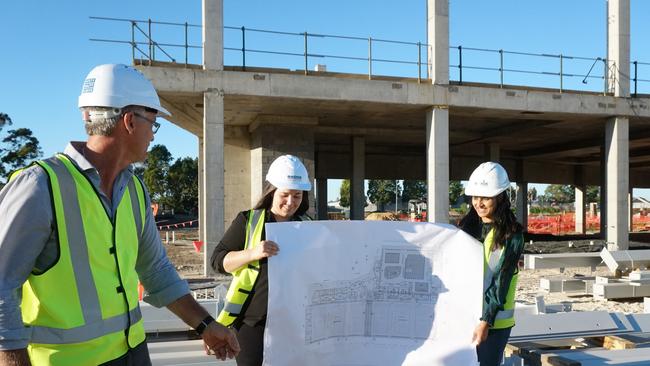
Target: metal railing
[[252, 47]]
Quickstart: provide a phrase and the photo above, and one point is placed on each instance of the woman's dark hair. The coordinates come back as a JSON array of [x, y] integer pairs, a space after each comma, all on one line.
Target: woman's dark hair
[[266, 201], [504, 222]]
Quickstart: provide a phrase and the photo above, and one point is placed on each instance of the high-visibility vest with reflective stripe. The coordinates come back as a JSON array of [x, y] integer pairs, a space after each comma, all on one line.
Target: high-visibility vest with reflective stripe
[[505, 318], [244, 278], [84, 310]]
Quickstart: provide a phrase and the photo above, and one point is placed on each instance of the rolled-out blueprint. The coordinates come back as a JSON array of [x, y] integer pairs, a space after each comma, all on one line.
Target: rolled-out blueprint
[[357, 293]]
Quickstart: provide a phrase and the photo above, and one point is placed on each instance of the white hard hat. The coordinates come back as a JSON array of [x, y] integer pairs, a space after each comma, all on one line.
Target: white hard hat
[[287, 172], [117, 86], [487, 180]]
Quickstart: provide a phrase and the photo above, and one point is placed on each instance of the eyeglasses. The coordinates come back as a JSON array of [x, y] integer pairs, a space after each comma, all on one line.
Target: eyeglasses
[[154, 125]]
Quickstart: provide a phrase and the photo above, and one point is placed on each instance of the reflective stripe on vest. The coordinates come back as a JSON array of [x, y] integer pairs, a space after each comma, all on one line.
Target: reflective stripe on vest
[[245, 277], [97, 306], [505, 318]]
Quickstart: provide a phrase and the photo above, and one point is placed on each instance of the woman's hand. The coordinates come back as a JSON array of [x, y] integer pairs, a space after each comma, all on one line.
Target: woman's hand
[[265, 249], [236, 259], [480, 332]]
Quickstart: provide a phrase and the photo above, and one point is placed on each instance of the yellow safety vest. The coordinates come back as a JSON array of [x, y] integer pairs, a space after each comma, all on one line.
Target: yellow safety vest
[[84, 310], [244, 278], [505, 318]]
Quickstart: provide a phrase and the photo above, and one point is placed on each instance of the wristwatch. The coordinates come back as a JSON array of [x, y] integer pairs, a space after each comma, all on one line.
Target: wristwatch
[[204, 324]]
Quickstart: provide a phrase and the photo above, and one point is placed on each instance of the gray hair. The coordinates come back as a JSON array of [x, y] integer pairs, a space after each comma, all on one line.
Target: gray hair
[[101, 120]]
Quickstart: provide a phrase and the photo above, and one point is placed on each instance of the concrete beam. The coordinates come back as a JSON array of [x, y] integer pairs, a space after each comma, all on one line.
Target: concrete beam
[[545, 101], [188, 81]]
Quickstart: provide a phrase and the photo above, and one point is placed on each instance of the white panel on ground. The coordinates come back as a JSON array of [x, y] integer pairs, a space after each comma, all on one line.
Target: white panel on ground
[[599, 357], [372, 293], [561, 260], [626, 259], [182, 353], [162, 320], [532, 326]]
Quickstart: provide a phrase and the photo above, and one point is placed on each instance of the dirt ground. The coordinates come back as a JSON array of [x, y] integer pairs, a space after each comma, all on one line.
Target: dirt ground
[[189, 263]]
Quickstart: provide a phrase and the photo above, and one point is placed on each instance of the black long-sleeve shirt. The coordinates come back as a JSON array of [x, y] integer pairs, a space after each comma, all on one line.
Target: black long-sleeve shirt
[[255, 307]]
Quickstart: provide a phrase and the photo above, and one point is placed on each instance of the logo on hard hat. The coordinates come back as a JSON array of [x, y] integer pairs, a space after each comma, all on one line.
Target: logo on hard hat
[[88, 86], [294, 177]]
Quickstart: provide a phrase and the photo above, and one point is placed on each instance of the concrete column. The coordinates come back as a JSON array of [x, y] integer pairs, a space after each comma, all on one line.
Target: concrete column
[[272, 138], [580, 195], [321, 198], [438, 165], [617, 154], [603, 192], [438, 40], [212, 34], [521, 205], [258, 171], [213, 167], [618, 47], [357, 194], [493, 152], [201, 190], [630, 207]]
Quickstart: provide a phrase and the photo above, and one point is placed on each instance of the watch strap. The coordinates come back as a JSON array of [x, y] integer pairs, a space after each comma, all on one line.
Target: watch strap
[[204, 324]]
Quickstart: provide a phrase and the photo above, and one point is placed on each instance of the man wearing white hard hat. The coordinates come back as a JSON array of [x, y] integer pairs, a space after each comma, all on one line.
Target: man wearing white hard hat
[[77, 233], [491, 221], [243, 252]]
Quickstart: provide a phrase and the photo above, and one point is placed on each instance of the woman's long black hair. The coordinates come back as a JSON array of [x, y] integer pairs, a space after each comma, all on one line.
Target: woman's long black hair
[[266, 201], [504, 222]]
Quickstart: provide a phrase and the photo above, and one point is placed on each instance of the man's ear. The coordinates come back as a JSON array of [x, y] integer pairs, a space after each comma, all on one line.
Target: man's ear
[[127, 122]]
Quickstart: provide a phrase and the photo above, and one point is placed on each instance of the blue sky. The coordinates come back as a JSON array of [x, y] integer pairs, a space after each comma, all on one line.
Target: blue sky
[[47, 52]]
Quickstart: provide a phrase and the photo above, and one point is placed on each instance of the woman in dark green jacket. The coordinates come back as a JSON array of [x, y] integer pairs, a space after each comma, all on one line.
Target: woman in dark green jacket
[[491, 221]]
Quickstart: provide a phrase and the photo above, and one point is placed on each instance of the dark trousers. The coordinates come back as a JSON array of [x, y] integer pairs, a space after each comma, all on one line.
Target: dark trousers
[[490, 352], [251, 341], [138, 356]]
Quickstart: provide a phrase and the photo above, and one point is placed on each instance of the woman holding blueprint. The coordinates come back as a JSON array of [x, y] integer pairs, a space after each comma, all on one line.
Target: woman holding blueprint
[[491, 221], [243, 252]]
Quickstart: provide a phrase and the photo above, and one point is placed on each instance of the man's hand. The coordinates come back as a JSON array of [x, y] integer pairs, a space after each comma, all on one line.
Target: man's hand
[[480, 333], [16, 357], [220, 341]]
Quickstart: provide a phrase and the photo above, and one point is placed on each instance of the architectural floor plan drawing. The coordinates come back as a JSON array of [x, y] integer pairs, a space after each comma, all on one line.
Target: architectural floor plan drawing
[[361, 293], [397, 299]]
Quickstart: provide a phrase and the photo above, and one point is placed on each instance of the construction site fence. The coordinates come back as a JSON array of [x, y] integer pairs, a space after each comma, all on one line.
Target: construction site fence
[[315, 52], [562, 224]]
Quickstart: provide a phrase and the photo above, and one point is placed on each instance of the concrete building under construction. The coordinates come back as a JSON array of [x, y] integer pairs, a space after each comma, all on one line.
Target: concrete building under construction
[[364, 126]]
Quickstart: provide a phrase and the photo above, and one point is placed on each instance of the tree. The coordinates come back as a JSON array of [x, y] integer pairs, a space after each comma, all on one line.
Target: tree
[[532, 194], [382, 191], [18, 148], [155, 173], [414, 190], [344, 193], [560, 193], [593, 194], [4, 119], [455, 191], [182, 183]]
